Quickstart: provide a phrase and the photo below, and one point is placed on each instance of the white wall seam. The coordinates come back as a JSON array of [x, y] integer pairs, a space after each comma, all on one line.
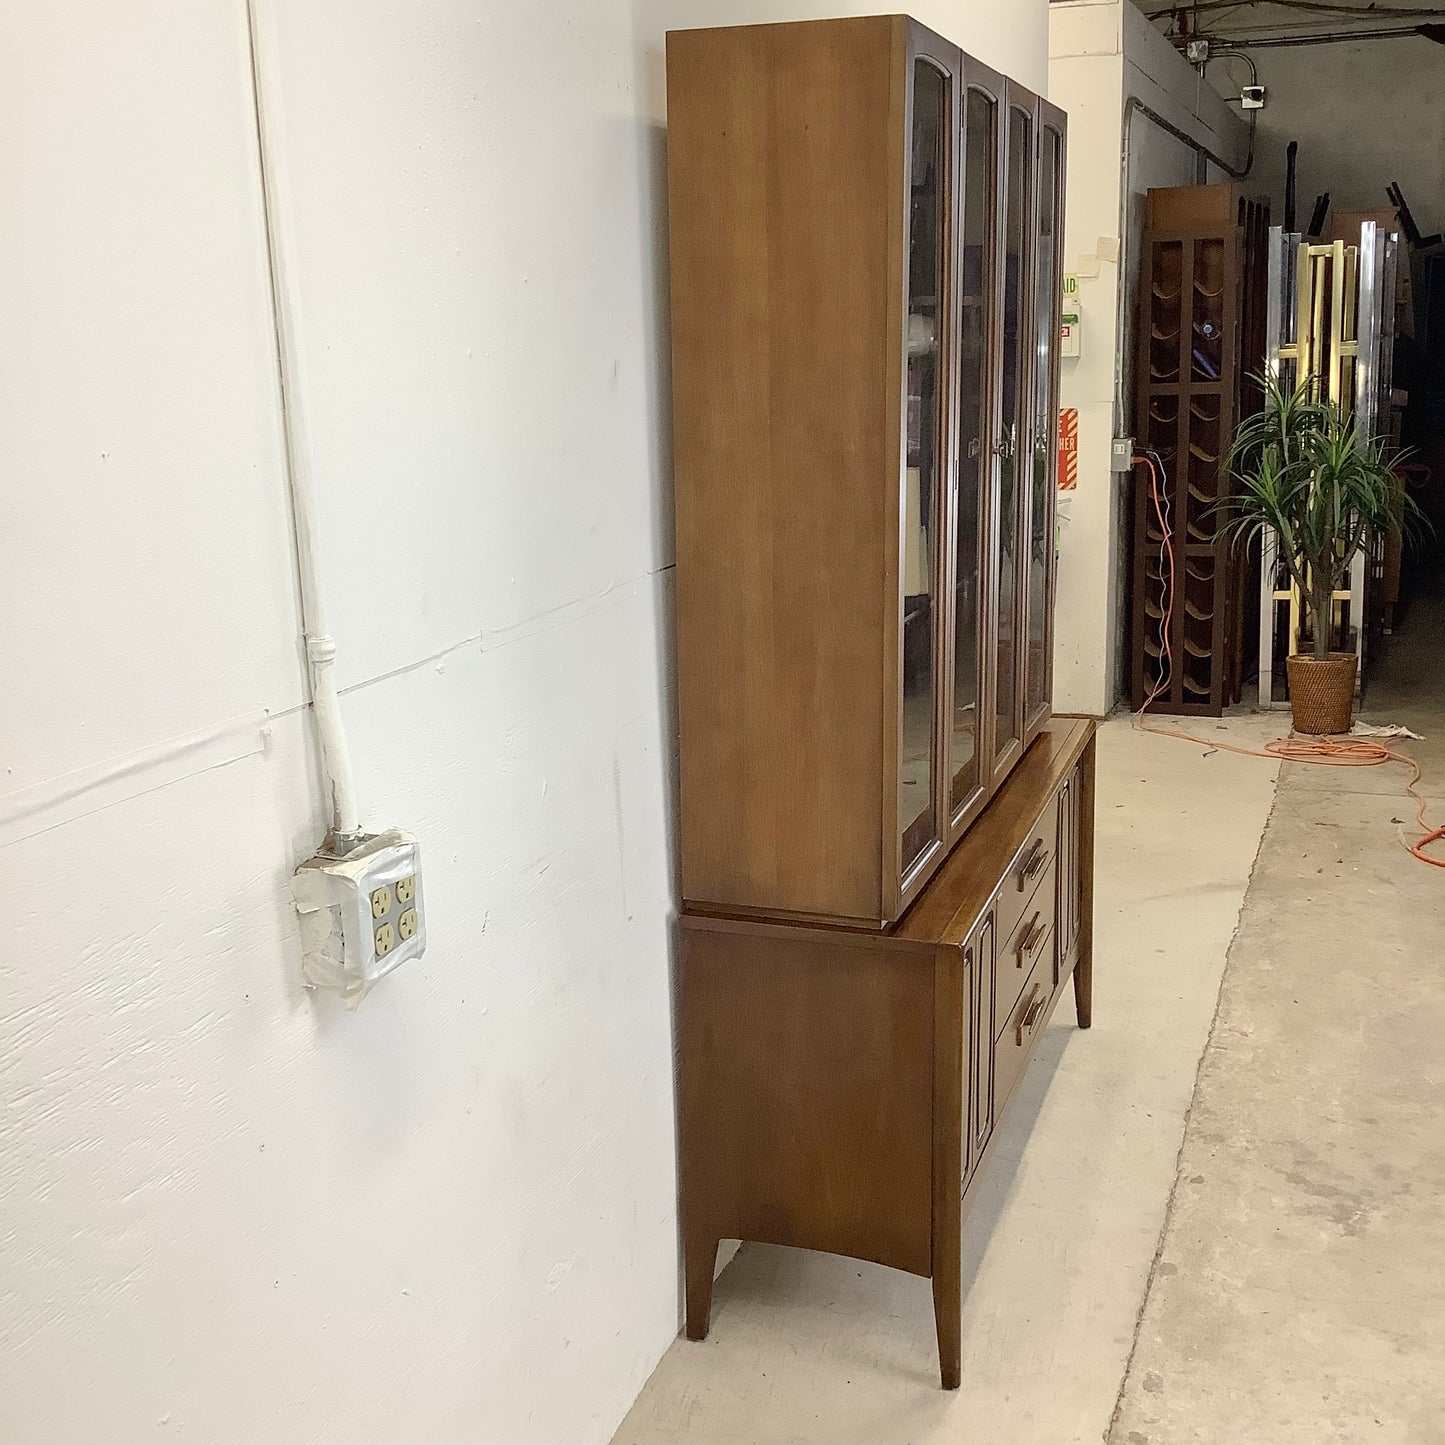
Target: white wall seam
[[489, 640], [37, 809], [48, 804]]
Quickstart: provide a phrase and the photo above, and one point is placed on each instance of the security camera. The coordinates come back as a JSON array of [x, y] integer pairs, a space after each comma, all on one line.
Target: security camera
[[1252, 97]]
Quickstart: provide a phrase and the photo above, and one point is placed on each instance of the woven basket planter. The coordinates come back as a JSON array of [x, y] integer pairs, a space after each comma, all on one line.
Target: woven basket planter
[[1322, 692]]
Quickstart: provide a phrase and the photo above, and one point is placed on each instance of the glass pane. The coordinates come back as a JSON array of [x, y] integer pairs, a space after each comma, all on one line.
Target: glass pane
[[923, 477], [1014, 387], [976, 300], [1046, 330]]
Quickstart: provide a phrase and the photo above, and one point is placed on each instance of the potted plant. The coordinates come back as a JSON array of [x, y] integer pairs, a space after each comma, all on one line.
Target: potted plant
[[1307, 473]]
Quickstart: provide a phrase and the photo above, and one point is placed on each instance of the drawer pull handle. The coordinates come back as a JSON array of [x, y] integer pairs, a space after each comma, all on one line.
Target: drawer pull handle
[[1033, 936], [1030, 1013], [1034, 864]]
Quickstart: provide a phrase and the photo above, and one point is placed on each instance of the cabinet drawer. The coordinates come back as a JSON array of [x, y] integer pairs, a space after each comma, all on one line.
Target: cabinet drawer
[[1027, 870], [1015, 1042], [1029, 945]]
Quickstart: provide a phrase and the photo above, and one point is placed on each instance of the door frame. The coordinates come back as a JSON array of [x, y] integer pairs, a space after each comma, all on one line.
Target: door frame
[[990, 83], [1017, 99], [902, 883], [1048, 118]]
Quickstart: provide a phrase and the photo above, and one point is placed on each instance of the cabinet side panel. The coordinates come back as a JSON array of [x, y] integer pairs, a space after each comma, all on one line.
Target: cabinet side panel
[[806, 1073], [781, 194]]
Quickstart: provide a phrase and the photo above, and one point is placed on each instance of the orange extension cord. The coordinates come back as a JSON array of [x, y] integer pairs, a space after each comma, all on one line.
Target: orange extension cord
[[1325, 751]]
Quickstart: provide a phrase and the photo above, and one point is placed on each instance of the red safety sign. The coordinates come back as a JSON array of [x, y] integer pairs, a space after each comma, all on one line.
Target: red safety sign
[[1068, 449]]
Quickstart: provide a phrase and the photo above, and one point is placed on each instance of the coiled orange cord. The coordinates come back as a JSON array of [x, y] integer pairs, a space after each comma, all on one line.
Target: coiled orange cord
[[1322, 751]]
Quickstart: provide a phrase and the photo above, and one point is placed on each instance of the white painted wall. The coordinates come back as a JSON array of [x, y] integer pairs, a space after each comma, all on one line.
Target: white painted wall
[[1086, 78], [229, 1210], [1102, 53]]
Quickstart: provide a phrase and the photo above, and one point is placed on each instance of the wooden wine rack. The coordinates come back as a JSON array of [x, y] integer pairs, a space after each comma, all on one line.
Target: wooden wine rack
[[1200, 333]]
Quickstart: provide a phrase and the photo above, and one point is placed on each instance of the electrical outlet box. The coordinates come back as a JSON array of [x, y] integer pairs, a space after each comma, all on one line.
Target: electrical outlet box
[[1121, 457], [1252, 97], [361, 913]]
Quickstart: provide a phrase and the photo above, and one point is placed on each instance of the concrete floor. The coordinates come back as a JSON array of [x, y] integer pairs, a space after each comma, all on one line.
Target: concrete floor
[[1058, 1251], [1300, 1290]]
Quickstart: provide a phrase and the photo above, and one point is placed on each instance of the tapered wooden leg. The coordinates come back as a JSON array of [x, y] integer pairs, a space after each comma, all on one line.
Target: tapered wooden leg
[[948, 1316], [954, 985], [1084, 968], [699, 1262]]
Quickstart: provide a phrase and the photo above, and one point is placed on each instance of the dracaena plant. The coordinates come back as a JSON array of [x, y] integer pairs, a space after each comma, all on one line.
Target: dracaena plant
[[1306, 472]]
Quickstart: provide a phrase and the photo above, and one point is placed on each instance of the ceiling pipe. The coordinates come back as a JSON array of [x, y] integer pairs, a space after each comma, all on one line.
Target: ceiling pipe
[[1317, 7], [1330, 37]]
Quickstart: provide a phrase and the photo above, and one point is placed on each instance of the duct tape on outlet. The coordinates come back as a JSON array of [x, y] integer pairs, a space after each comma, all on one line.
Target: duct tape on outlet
[[360, 914]]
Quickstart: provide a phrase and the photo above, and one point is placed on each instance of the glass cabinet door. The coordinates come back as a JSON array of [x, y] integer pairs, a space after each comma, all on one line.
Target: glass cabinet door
[[1011, 447], [977, 314], [926, 427], [1038, 632]]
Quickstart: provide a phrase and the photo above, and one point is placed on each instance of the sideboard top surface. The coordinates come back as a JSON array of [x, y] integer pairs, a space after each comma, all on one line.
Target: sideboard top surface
[[948, 908]]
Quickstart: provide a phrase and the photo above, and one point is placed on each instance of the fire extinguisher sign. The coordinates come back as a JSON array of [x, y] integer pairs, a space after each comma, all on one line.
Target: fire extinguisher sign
[[1068, 448]]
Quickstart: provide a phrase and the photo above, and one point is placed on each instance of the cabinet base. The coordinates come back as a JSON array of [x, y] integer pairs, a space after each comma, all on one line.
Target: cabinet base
[[841, 1091]]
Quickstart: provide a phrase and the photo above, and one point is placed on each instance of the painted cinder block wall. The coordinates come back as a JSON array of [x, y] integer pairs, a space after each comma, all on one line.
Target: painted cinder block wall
[[229, 1211]]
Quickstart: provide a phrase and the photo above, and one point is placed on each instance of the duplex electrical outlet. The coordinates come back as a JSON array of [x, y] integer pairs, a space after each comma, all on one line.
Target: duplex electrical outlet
[[361, 913]]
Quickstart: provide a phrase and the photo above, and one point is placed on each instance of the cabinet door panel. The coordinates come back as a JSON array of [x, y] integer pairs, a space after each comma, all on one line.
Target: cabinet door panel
[[1039, 585], [1010, 449], [969, 1012], [1070, 818], [928, 281], [1064, 909], [977, 306], [985, 944]]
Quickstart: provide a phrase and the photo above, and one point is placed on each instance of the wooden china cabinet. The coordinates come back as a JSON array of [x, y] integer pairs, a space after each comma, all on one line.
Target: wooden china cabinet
[[885, 837]]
